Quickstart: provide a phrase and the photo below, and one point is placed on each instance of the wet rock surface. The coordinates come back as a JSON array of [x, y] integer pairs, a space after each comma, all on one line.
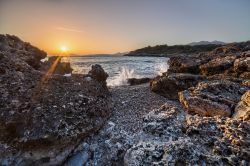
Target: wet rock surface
[[43, 114]]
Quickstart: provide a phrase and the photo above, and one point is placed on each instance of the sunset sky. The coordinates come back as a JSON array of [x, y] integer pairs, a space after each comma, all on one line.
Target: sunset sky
[[110, 26]]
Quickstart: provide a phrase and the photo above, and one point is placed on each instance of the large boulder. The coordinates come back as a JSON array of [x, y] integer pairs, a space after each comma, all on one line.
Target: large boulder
[[170, 85], [187, 63], [211, 98], [217, 65], [242, 109], [43, 118], [98, 73]]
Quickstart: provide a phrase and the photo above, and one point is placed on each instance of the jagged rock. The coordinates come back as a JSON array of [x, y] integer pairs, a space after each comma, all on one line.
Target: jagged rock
[[242, 109], [60, 67], [98, 73], [212, 98], [16, 49], [137, 81], [217, 66], [242, 65], [187, 64], [170, 85], [172, 137], [43, 117]]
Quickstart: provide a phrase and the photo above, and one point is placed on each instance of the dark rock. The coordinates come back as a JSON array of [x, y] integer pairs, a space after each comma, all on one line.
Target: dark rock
[[212, 98], [98, 73], [138, 81], [170, 85], [217, 66], [43, 117], [187, 64], [17, 49]]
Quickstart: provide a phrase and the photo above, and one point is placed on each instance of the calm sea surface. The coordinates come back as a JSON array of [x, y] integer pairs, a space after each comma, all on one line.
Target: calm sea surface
[[120, 68]]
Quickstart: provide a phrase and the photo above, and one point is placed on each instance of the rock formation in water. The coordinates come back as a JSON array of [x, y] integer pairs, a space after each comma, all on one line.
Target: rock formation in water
[[43, 114]]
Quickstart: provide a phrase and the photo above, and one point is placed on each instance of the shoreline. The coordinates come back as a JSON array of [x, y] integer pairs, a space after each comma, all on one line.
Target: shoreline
[[198, 112]]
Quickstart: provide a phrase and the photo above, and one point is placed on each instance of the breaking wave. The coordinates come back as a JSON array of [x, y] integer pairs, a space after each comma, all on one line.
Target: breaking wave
[[122, 77], [161, 68]]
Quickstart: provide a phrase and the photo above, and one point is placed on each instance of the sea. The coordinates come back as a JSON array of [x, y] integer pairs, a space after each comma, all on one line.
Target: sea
[[120, 68]]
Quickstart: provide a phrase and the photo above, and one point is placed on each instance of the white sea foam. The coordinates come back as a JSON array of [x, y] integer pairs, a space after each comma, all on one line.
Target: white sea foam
[[161, 68], [121, 79]]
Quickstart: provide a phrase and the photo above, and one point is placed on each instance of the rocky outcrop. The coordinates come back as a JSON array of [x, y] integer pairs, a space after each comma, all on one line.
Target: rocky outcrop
[[218, 66], [242, 109], [170, 85], [212, 98], [230, 63], [15, 48], [44, 116], [187, 64], [171, 137], [98, 74]]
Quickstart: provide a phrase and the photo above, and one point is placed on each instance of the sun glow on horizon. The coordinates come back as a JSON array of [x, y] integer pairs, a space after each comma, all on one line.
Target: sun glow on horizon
[[64, 49]]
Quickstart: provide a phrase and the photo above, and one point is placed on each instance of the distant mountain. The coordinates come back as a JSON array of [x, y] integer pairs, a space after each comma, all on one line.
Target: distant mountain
[[215, 42]]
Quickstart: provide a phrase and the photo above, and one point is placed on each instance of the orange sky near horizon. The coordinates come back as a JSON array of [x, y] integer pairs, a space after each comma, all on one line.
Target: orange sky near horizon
[[111, 26]]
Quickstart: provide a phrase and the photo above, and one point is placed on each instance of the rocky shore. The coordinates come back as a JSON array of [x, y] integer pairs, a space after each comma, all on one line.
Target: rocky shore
[[44, 115], [197, 113]]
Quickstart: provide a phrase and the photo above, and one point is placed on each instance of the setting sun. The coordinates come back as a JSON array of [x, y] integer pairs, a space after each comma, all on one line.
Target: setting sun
[[64, 49]]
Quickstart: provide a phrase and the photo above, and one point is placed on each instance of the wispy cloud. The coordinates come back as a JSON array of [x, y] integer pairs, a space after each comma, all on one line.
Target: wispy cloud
[[69, 29]]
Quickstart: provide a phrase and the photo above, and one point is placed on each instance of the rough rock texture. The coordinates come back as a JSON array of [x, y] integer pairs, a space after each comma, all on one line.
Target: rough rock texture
[[242, 65], [14, 48], [211, 98], [44, 116], [170, 85], [230, 63], [242, 109], [172, 137], [218, 65], [217, 61], [187, 64], [98, 74]]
